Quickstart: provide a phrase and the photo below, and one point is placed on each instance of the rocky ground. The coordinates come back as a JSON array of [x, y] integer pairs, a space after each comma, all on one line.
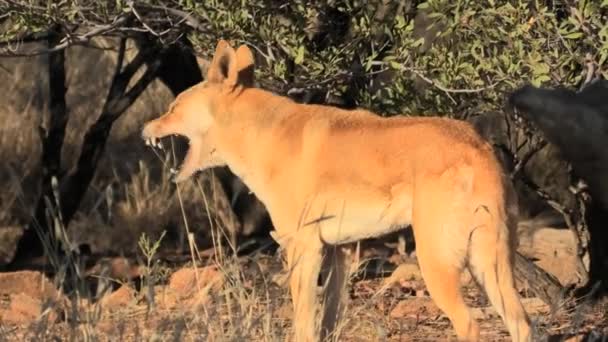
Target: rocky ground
[[246, 299]]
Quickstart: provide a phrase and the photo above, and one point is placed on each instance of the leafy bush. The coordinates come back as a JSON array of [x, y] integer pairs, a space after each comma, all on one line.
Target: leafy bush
[[437, 56], [481, 48]]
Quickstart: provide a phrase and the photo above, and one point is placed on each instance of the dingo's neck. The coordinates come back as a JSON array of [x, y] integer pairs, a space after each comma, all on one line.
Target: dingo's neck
[[257, 129]]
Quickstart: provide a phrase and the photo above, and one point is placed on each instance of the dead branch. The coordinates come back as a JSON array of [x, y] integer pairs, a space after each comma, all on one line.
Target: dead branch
[[74, 186], [117, 101], [67, 41], [521, 162], [28, 38], [590, 67], [449, 91], [575, 219], [185, 17], [544, 285]]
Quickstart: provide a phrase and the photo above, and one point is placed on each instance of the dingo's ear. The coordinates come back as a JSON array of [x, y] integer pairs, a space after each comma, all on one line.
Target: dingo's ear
[[245, 65], [223, 68], [231, 67]]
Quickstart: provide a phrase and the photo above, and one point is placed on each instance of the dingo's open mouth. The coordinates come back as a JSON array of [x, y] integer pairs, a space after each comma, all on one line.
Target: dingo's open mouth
[[154, 142], [189, 165]]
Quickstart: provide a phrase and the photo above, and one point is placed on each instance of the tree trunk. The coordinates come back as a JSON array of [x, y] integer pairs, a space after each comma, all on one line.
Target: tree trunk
[[545, 286], [52, 136], [60, 200]]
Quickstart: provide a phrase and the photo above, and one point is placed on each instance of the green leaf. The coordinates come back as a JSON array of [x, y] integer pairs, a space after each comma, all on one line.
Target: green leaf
[[299, 55], [540, 69], [395, 65], [401, 22], [537, 81], [574, 35], [603, 56]]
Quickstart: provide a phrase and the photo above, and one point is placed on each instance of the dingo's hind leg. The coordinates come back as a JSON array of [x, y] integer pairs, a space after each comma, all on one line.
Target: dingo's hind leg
[[442, 280], [439, 223]]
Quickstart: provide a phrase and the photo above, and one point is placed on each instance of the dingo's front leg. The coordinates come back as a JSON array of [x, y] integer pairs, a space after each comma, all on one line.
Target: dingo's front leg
[[304, 259]]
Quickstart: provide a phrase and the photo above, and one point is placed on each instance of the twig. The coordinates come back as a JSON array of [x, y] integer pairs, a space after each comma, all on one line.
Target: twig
[[30, 38], [452, 90], [26, 6], [449, 91], [71, 40], [186, 17], [521, 163], [569, 217], [141, 20], [267, 57], [121, 57], [575, 218], [590, 66]]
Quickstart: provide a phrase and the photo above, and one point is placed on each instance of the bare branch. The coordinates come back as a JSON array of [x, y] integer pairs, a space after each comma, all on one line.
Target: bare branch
[[523, 161], [69, 40], [575, 221], [140, 85], [186, 17], [121, 57], [141, 20], [590, 67], [139, 59], [451, 90], [95, 138], [122, 77], [30, 38]]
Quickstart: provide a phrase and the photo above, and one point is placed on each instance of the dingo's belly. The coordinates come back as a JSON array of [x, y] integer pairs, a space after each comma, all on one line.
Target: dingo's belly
[[343, 219]]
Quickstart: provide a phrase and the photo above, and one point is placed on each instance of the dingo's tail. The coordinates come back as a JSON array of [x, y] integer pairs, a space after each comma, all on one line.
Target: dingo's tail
[[490, 261]]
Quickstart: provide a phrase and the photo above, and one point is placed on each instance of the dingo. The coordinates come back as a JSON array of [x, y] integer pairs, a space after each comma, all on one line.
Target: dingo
[[329, 177]]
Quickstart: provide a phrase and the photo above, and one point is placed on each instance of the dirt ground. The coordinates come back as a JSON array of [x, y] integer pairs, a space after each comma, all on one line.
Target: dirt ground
[[245, 298]]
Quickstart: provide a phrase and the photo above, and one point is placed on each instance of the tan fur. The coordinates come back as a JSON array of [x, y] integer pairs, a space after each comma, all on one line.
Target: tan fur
[[329, 177]]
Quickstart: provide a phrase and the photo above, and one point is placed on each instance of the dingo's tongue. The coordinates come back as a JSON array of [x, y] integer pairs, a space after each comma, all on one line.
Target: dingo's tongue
[[191, 163]]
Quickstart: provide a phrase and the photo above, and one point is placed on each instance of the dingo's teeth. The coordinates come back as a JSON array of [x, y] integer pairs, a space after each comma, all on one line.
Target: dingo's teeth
[[154, 142]]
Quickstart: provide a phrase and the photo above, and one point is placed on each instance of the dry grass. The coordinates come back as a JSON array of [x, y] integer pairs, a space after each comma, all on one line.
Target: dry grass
[[131, 195], [249, 305]]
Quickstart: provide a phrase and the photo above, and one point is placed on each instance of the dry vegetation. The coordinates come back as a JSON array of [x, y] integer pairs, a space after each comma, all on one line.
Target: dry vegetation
[[163, 285]]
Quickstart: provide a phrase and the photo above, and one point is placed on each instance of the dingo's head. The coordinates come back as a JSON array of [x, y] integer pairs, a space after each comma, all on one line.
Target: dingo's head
[[193, 113]]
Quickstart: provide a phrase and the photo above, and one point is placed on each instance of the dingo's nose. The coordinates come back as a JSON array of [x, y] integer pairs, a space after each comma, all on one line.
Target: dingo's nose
[[146, 132]]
